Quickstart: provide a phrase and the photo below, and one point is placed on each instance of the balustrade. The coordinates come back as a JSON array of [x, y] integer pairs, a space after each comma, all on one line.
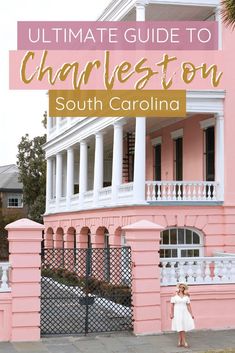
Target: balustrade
[[198, 270], [181, 191], [156, 191]]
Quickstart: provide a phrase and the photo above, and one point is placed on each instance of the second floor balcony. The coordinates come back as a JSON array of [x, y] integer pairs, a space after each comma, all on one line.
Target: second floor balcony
[[139, 161]]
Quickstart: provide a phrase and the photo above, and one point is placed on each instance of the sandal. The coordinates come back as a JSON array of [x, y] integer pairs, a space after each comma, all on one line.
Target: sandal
[[185, 345]]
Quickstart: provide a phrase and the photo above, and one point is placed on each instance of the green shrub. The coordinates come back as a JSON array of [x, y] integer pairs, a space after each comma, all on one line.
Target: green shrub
[[120, 294]]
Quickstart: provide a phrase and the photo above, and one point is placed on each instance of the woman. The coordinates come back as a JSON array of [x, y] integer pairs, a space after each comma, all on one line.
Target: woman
[[181, 313]]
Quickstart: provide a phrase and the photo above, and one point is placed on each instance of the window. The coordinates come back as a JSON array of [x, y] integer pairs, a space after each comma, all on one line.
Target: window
[[180, 242], [15, 201], [209, 153], [178, 159], [157, 160]]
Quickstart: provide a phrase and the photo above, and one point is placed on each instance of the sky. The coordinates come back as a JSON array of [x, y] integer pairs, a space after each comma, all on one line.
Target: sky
[[21, 112]]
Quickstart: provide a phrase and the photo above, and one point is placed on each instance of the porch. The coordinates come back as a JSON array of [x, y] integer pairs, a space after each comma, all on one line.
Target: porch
[[156, 191], [139, 161]]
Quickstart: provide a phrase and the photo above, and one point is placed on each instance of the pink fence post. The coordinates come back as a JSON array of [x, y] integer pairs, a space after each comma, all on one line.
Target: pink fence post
[[25, 238], [144, 238]]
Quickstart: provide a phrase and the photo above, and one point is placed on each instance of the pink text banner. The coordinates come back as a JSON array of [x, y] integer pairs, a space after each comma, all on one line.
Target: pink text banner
[[95, 70], [150, 35]]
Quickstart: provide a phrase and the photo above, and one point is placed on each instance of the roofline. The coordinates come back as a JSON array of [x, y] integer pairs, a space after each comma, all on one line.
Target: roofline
[[118, 8], [8, 166], [11, 190]]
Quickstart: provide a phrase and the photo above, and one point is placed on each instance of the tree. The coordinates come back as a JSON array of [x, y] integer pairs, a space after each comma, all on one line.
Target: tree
[[4, 220], [32, 173], [228, 12]]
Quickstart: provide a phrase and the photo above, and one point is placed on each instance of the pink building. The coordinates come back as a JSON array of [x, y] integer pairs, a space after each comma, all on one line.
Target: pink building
[[163, 186]]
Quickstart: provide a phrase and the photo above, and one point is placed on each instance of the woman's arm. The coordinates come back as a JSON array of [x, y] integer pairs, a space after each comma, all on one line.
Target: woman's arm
[[190, 310], [172, 311]]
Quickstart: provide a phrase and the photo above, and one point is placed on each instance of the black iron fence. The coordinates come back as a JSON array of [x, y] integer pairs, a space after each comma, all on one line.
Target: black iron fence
[[86, 290]]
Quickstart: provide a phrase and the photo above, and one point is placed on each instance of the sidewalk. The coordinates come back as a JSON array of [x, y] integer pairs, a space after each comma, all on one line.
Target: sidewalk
[[200, 341]]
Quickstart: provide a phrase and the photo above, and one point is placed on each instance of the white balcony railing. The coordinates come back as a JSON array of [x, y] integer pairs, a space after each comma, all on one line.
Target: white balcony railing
[[198, 270], [88, 198], [156, 191], [182, 191], [63, 202], [75, 201], [105, 194], [4, 277], [125, 193]]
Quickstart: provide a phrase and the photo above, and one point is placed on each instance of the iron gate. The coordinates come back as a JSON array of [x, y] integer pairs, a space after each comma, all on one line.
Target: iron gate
[[86, 290]]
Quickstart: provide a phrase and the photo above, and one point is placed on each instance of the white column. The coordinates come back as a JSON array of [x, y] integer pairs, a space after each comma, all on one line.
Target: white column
[[83, 171], [140, 161], [70, 176], [219, 154], [49, 124], [58, 121], [140, 10], [58, 182], [99, 165], [49, 183], [117, 158], [220, 27]]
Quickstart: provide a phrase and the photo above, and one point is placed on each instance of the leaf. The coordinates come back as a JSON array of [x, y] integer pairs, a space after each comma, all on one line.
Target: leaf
[[228, 13]]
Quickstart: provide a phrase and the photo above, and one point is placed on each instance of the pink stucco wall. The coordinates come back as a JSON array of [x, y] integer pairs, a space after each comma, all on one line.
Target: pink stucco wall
[[5, 316], [229, 126], [216, 223], [192, 149], [20, 308]]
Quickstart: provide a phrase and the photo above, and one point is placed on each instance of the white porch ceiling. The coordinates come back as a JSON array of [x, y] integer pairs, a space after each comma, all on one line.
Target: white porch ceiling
[[160, 12]]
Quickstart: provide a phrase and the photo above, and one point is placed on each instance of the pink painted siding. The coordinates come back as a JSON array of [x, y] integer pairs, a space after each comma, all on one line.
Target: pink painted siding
[[5, 316], [192, 149], [229, 125]]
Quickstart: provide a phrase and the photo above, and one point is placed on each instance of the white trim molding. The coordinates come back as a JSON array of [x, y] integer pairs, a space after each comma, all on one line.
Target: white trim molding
[[156, 141], [177, 134], [205, 101], [204, 124]]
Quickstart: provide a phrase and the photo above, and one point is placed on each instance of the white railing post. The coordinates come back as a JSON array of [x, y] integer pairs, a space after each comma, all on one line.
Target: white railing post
[[190, 272], [232, 271], [219, 156], [181, 272], [172, 273], [164, 273], [4, 287], [207, 271]]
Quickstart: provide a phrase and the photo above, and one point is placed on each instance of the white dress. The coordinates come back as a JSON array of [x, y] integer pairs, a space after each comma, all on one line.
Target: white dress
[[182, 320]]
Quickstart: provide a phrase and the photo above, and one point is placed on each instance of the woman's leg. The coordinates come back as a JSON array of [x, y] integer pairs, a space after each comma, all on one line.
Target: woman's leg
[[183, 338], [180, 339]]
